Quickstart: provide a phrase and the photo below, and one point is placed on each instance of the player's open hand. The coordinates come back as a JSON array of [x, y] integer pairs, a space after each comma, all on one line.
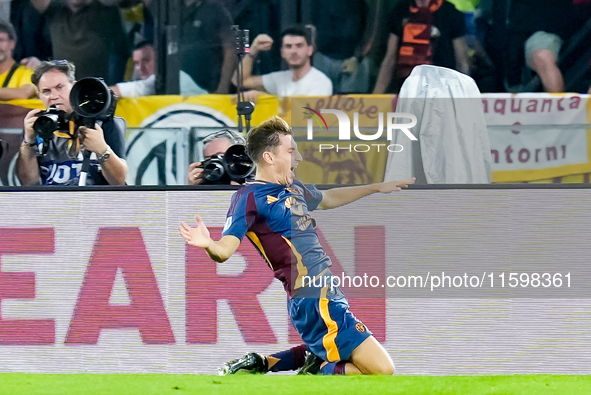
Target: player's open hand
[[198, 236], [387, 187]]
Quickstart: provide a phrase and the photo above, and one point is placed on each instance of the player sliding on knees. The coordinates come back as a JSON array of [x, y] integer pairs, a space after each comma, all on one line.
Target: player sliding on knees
[[273, 211]]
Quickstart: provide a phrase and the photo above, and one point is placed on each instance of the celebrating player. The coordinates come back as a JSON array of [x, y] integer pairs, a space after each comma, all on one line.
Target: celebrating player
[[273, 211]]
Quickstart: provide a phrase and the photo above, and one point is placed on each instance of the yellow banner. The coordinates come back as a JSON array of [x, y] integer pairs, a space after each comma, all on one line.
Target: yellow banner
[[138, 112], [568, 173], [347, 163]]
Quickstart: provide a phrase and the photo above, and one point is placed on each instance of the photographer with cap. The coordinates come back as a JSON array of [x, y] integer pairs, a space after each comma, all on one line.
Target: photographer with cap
[[216, 143], [58, 160]]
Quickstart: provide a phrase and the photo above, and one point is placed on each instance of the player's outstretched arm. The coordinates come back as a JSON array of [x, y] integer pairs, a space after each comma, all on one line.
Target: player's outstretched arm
[[199, 236], [340, 196]]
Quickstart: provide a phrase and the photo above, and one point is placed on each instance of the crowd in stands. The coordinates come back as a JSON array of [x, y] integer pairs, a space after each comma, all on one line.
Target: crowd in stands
[[341, 47]]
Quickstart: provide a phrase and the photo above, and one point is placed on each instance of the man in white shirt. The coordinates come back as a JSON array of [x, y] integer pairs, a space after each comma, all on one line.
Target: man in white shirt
[[144, 64], [300, 80]]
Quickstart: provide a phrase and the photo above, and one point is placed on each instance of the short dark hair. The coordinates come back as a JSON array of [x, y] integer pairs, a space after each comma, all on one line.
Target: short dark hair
[[265, 137], [141, 44], [63, 66], [6, 27], [298, 30]]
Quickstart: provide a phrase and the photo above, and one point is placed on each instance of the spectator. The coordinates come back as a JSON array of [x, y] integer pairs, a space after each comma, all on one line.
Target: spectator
[[206, 45], [144, 63], [32, 31], [15, 79], [422, 32], [90, 34], [300, 80], [60, 160], [259, 17], [537, 30], [215, 144], [342, 28]]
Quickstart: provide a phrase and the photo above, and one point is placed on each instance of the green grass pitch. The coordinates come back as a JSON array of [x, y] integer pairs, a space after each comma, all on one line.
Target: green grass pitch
[[163, 384]]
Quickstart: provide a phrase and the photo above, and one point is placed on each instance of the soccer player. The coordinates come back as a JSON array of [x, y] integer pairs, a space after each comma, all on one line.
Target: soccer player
[[273, 211]]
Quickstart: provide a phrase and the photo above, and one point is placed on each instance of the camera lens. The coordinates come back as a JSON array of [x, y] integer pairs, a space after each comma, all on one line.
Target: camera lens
[[45, 125], [92, 98], [238, 164], [213, 171], [92, 101]]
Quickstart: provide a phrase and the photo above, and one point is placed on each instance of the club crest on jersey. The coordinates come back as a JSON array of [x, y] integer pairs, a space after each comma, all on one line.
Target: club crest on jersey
[[295, 207]]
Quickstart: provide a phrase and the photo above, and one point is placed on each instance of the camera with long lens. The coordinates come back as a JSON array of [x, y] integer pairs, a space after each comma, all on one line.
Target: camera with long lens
[[91, 100], [222, 169]]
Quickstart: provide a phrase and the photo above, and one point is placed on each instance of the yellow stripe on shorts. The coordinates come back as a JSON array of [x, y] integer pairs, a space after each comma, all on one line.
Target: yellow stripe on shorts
[[328, 341]]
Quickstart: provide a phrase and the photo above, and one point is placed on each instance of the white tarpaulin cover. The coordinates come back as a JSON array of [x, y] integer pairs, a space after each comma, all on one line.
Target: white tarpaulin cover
[[453, 145]]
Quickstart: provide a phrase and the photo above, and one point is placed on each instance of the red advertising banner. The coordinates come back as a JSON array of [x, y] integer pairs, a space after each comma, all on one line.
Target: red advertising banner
[[101, 281]]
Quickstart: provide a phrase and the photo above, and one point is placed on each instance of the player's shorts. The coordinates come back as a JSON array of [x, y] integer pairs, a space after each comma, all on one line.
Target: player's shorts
[[327, 326], [542, 40]]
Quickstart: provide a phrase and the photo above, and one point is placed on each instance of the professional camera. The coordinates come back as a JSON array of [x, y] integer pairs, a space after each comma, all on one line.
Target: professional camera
[[49, 121], [234, 165], [91, 100]]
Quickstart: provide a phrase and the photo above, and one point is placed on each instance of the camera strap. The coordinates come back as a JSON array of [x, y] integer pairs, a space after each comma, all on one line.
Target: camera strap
[[10, 74]]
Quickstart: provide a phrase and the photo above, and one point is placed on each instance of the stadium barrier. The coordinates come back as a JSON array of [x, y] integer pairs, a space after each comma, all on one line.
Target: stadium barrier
[[100, 281]]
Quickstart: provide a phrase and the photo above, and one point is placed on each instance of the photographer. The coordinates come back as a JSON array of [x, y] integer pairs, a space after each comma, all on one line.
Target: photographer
[[59, 160], [216, 143]]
